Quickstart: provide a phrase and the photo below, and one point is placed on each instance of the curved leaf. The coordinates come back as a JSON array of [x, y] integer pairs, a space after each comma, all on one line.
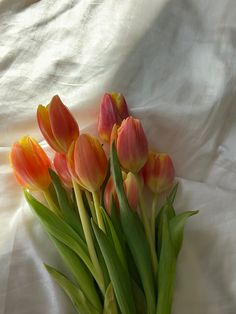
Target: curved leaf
[[119, 276], [81, 303], [135, 236]]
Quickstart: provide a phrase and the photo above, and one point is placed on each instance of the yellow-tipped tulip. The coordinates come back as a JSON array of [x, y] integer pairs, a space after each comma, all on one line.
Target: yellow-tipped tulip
[[61, 167], [158, 172], [121, 105], [132, 145], [87, 162], [113, 109], [30, 164], [57, 125]]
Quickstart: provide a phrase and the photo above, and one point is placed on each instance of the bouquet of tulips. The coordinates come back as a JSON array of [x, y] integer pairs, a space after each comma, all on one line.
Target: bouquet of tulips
[[99, 205]]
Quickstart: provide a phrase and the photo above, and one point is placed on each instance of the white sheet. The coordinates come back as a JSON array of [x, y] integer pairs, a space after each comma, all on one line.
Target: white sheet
[[175, 63]]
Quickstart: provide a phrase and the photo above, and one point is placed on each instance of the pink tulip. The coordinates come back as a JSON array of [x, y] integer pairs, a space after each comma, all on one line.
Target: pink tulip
[[132, 145], [158, 172], [131, 191], [60, 164], [113, 109]]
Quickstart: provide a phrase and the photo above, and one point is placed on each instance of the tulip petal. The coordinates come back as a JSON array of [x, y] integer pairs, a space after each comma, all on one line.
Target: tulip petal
[[158, 172], [132, 145], [30, 164], [121, 105], [60, 164], [108, 116], [64, 126], [45, 128], [90, 162]]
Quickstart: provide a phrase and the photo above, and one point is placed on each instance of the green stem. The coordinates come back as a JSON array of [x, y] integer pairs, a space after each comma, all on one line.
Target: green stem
[[91, 205], [88, 236], [53, 207], [147, 226], [153, 217], [98, 211]]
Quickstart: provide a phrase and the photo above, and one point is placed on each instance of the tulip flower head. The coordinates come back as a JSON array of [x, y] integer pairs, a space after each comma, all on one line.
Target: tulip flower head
[[30, 164], [110, 192], [113, 109], [121, 105], [132, 145], [158, 172], [130, 188], [57, 125], [60, 165], [89, 162]]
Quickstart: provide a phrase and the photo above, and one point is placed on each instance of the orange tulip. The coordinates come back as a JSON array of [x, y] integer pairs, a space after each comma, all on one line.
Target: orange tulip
[[158, 172], [57, 125], [132, 145], [113, 109], [87, 162], [60, 165], [30, 164]]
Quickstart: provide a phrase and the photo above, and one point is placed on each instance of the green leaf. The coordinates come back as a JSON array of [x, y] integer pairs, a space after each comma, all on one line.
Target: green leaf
[[135, 236], [80, 272], [140, 300], [114, 238], [172, 195], [58, 228], [65, 205], [118, 274], [177, 224], [110, 306], [81, 303], [166, 269], [170, 212]]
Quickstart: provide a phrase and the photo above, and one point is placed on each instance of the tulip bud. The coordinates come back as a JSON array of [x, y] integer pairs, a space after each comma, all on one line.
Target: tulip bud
[[60, 164], [113, 109], [110, 192], [131, 190], [114, 133], [89, 162], [30, 164], [57, 125], [121, 105], [158, 172], [132, 145]]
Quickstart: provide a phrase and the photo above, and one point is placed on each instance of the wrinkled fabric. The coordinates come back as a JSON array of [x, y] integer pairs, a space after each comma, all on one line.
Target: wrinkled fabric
[[174, 60]]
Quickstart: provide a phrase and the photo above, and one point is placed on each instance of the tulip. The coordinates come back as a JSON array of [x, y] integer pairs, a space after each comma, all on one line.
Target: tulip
[[60, 165], [121, 105], [30, 164], [158, 172], [57, 125], [90, 162], [131, 145], [110, 192], [130, 188], [113, 109]]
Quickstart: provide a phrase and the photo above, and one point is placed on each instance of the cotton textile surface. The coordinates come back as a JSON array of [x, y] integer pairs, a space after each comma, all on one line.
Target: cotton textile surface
[[175, 63]]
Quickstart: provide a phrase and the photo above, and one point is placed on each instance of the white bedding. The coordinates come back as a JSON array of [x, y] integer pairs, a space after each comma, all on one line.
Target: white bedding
[[175, 63]]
